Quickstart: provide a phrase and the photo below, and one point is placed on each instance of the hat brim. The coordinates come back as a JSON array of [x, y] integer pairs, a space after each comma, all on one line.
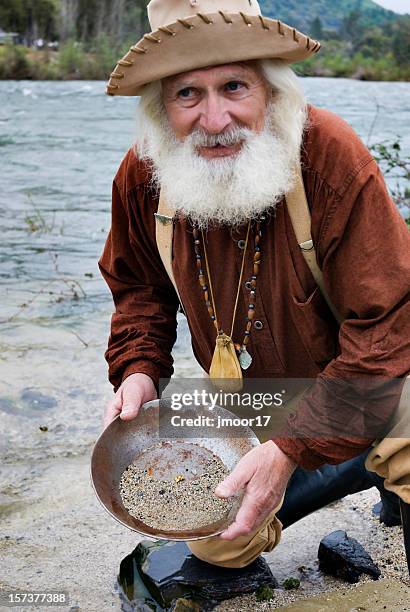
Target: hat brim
[[206, 40]]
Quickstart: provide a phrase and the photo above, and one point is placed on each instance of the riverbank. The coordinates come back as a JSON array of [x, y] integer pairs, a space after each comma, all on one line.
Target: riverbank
[[57, 536], [73, 62]]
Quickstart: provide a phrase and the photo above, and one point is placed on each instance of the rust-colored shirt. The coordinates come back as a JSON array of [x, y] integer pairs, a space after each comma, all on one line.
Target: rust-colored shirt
[[363, 249]]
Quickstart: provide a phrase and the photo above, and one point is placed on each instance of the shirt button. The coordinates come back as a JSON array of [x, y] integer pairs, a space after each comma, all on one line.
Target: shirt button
[[241, 244], [248, 285], [258, 325]]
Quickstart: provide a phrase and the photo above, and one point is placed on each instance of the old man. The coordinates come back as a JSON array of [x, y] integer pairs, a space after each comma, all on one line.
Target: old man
[[224, 132]]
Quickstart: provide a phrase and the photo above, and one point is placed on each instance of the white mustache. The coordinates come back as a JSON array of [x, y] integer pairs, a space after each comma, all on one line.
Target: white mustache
[[234, 136]]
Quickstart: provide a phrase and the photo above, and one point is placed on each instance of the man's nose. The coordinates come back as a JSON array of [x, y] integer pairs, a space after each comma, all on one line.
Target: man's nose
[[215, 116]]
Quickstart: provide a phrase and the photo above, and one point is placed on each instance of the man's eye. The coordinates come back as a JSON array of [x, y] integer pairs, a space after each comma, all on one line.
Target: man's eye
[[186, 92], [233, 86]]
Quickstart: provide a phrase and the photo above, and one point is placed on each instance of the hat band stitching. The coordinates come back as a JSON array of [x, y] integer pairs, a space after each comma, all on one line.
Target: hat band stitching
[[167, 30], [280, 30], [295, 37], [124, 62], [225, 18], [308, 43], [246, 19], [117, 75], [136, 49], [205, 18], [186, 24], [151, 38], [264, 25]]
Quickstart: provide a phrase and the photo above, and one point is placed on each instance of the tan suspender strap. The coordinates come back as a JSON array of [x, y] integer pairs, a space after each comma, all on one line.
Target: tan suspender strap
[[164, 230], [299, 214]]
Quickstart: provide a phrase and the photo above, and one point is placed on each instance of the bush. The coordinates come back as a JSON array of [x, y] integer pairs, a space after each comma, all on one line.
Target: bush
[[14, 63], [71, 60], [106, 55]]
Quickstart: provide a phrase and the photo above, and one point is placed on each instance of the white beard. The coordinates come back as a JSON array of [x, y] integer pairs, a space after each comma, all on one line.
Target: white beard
[[227, 190]]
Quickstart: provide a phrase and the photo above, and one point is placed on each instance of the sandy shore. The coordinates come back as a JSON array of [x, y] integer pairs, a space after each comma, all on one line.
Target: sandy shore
[[57, 536]]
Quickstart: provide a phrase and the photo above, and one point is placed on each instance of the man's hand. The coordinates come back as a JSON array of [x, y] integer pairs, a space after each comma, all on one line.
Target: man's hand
[[135, 390], [265, 472]]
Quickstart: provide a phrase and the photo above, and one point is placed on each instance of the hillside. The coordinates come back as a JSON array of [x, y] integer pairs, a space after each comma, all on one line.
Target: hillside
[[331, 12]]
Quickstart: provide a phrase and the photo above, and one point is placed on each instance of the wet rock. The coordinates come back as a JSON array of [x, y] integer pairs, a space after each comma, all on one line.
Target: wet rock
[[388, 512], [36, 400], [7, 406], [170, 572], [345, 558], [185, 605], [133, 592]]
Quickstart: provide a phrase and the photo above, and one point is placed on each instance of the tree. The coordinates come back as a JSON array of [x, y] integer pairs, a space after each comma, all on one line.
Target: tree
[[316, 28], [30, 18], [352, 27], [401, 41]]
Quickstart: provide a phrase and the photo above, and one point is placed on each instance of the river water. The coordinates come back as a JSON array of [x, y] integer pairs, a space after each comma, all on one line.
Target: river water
[[60, 145]]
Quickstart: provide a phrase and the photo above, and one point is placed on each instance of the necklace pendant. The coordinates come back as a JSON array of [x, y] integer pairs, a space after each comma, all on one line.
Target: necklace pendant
[[245, 359]]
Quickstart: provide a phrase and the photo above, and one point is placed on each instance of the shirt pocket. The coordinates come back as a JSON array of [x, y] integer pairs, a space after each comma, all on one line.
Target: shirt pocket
[[316, 327], [267, 360]]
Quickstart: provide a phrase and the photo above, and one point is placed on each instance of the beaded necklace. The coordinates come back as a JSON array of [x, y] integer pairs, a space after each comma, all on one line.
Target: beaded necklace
[[245, 358]]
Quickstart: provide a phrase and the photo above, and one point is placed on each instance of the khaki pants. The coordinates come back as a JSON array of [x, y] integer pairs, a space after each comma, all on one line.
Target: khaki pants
[[243, 550], [390, 457]]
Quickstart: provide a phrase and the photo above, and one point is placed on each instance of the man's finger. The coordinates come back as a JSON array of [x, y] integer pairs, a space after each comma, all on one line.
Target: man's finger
[[237, 479], [131, 404], [129, 411], [113, 409]]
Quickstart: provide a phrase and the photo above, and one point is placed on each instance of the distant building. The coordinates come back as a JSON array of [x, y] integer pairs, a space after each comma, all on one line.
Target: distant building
[[9, 37]]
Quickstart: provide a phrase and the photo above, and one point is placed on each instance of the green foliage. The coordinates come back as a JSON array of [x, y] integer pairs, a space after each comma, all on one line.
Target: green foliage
[[71, 59], [368, 58], [30, 18], [316, 28], [14, 63], [264, 593], [396, 165], [332, 13], [352, 27], [105, 54], [401, 41], [291, 583], [96, 61], [36, 221]]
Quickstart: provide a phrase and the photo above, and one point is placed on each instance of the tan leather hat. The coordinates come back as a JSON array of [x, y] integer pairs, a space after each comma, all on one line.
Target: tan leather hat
[[190, 34]]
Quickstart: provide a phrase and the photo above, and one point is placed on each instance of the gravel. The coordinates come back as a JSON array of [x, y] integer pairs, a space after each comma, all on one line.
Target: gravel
[[184, 503]]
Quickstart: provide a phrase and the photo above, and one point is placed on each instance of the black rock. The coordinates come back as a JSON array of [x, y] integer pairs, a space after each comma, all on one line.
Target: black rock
[[345, 558], [388, 510], [170, 572]]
